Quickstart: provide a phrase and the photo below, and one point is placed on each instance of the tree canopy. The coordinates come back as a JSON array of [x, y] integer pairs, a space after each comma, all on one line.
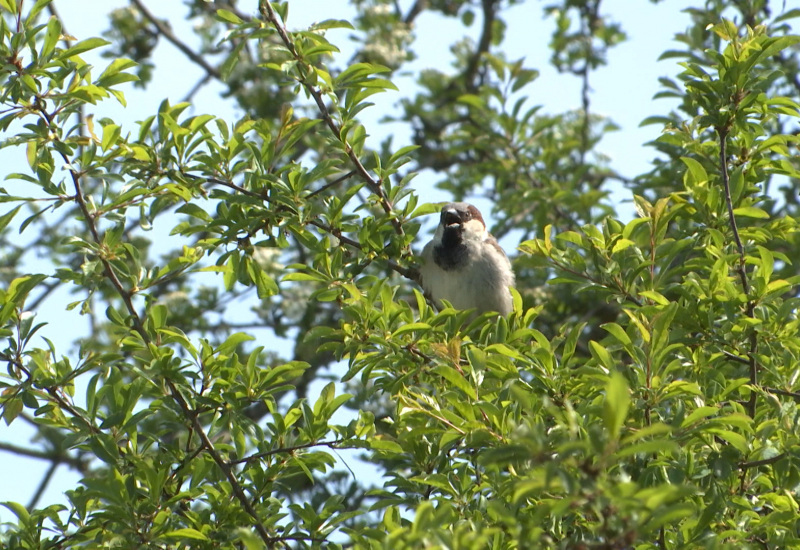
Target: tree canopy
[[642, 394]]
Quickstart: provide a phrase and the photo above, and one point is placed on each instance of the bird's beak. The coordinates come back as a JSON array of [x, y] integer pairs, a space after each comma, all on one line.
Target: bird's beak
[[450, 218]]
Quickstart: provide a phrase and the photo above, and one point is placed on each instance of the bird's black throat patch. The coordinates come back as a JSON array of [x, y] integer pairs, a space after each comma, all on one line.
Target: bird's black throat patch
[[452, 252]]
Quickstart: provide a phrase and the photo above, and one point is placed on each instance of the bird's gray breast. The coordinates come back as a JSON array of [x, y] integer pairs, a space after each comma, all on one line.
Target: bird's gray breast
[[452, 252]]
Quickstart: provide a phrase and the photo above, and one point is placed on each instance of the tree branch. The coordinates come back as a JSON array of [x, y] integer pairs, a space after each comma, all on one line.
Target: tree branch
[[418, 7], [762, 462], [42, 485], [164, 30], [409, 273], [52, 456], [484, 42], [588, 18], [741, 269], [785, 393], [334, 183], [374, 185], [259, 456], [138, 327]]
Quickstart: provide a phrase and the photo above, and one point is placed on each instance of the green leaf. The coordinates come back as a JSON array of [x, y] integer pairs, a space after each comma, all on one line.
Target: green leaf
[[12, 406], [265, 285], [104, 448], [18, 510], [617, 332], [570, 237], [36, 9], [751, 212], [411, 327], [786, 15], [9, 5], [698, 414], [601, 355], [385, 445], [726, 30], [523, 78], [622, 244], [113, 74], [232, 342], [360, 70], [456, 379], [656, 446], [195, 211], [6, 218], [696, 169], [231, 61], [186, 533], [735, 439], [20, 287], [656, 297], [51, 37], [472, 100], [228, 17], [503, 349], [616, 404], [332, 24], [83, 46]]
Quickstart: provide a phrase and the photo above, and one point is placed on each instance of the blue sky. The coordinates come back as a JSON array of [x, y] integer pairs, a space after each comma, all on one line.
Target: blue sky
[[622, 94]]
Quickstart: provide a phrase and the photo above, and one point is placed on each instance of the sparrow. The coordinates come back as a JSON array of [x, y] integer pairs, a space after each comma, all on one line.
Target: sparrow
[[465, 265]]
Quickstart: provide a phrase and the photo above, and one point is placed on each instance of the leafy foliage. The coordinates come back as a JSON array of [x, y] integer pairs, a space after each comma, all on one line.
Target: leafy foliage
[[643, 392]]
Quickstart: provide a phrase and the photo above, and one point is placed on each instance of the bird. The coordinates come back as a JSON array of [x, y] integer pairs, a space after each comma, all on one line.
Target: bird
[[465, 265]]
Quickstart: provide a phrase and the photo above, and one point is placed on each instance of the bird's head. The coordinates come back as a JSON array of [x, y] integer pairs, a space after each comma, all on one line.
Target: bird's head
[[460, 222]]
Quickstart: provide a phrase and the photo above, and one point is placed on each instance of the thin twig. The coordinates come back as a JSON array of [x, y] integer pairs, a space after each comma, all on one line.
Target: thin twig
[[762, 462], [588, 21], [42, 485], [417, 8], [282, 450], [235, 187], [169, 35], [785, 393], [127, 296], [196, 88], [52, 456], [409, 273], [741, 268], [138, 327], [484, 43], [736, 358], [334, 183], [374, 185]]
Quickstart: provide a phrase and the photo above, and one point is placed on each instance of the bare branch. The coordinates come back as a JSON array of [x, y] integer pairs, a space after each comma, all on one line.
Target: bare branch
[[334, 183], [53, 456], [484, 42], [138, 327], [165, 31], [793, 394], [374, 185], [409, 273], [418, 7], [196, 88], [762, 462], [722, 133], [259, 456], [42, 486]]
